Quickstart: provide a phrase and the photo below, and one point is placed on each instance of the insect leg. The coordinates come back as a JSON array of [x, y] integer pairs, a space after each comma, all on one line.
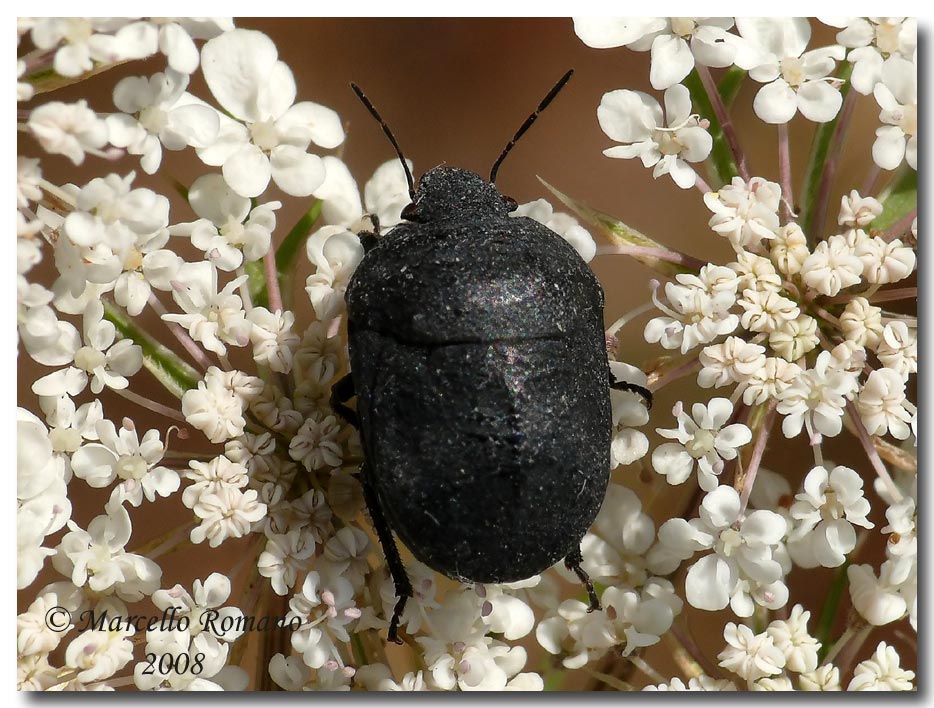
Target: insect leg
[[573, 562], [634, 388], [341, 392], [396, 569]]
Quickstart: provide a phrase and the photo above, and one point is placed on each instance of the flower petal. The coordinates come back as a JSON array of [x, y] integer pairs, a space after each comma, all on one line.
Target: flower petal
[[247, 171], [296, 172]]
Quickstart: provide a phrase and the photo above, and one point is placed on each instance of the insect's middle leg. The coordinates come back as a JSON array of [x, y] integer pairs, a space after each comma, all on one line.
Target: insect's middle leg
[[341, 392], [573, 562], [396, 568]]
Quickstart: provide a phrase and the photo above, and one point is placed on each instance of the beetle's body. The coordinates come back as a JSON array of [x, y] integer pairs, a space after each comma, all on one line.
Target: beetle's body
[[479, 362]]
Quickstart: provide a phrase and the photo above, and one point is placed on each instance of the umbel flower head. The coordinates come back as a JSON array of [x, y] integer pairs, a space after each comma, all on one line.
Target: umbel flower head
[[190, 329]]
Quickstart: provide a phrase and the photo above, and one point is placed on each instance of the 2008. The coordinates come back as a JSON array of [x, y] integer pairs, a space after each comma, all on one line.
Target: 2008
[[170, 663]]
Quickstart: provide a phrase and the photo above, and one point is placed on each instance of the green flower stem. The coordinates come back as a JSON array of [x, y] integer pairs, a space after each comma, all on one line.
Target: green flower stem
[[784, 170], [833, 159], [285, 258], [730, 85], [181, 334], [150, 404], [820, 147], [173, 373], [747, 478], [273, 293], [898, 199], [902, 226], [647, 251], [828, 612], [728, 156]]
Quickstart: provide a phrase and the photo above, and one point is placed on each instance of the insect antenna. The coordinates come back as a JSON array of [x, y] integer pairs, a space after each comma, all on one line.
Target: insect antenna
[[528, 123], [372, 109]]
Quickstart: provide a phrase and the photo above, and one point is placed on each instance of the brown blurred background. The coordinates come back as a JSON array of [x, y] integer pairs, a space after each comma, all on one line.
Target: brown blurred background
[[455, 91]]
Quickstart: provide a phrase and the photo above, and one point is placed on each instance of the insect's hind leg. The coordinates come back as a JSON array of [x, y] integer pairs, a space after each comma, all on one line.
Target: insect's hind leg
[[341, 392], [573, 562], [396, 568], [633, 388]]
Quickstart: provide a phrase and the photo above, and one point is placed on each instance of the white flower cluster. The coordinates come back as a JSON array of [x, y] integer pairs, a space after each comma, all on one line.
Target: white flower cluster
[[794, 330], [285, 480]]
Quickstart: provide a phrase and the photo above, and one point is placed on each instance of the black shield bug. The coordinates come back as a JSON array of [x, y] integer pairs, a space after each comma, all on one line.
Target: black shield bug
[[478, 360]]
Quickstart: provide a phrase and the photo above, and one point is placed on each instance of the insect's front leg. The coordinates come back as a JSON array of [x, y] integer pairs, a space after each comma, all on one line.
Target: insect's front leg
[[633, 388], [396, 568]]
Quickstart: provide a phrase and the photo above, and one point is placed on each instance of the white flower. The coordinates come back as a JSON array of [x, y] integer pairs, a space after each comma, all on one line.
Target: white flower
[[386, 193], [857, 211], [897, 95], [861, 322], [102, 359], [176, 35], [823, 678], [698, 683], [615, 546], [816, 399], [273, 338], [96, 558], [158, 112], [766, 310], [285, 555], [881, 404], [898, 348], [732, 361], [226, 513], [702, 438], [628, 413], [635, 118], [769, 381], [881, 672], [742, 567], [745, 212], [210, 477], [750, 656], [565, 225], [791, 637], [69, 129], [207, 619], [879, 600], [214, 318], [33, 633], [789, 249], [319, 356], [229, 231], [99, 654], [28, 177], [794, 338], [85, 41], [121, 455], [796, 80], [378, 677], [315, 444], [335, 253], [243, 71], [831, 267], [216, 407], [885, 261], [672, 57], [326, 606], [831, 503], [872, 39], [698, 314], [756, 273], [339, 194]]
